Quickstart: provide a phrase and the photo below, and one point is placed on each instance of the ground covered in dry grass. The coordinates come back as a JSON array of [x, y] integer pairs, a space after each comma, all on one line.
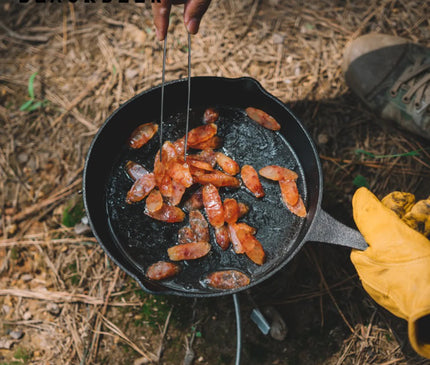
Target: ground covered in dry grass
[[62, 301]]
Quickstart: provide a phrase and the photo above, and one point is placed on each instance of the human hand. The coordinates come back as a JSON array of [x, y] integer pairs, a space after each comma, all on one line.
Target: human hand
[[395, 268], [193, 13]]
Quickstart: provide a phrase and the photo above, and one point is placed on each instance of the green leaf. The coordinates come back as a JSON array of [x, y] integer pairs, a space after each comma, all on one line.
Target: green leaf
[[73, 212], [21, 353], [198, 334], [26, 105], [370, 154], [363, 152], [360, 181], [36, 105], [410, 153], [31, 85]]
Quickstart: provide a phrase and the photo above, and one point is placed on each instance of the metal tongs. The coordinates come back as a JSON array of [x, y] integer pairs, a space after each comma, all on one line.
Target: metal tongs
[[188, 96], [235, 297]]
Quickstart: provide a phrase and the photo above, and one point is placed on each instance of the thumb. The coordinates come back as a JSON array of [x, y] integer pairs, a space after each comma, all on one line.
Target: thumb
[[193, 13]]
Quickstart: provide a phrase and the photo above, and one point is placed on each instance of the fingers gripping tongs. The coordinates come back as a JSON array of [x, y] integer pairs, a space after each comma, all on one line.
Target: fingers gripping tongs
[[188, 96]]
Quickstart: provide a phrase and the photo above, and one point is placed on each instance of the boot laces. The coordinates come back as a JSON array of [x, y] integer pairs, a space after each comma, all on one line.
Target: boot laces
[[416, 80]]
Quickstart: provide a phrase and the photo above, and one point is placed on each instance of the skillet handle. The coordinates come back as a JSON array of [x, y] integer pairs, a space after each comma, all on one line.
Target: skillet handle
[[329, 230]]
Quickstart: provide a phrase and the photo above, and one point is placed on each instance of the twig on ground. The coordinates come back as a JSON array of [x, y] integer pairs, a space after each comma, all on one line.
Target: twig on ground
[[75, 102], [365, 22], [374, 164], [307, 296], [60, 195], [52, 267], [345, 353], [145, 353], [315, 260], [100, 315], [57, 297], [391, 362], [250, 17], [55, 241], [77, 340], [416, 158], [163, 335], [189, 352], [30, 38]]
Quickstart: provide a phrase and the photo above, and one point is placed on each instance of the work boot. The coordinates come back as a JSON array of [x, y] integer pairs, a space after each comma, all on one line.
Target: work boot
[[392, 76]]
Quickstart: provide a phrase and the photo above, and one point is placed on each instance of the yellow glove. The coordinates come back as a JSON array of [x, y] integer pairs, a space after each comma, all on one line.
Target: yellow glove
[[395, 268]]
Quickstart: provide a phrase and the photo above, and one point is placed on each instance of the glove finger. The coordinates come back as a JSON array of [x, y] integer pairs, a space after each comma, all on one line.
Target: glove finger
[[389, 238]]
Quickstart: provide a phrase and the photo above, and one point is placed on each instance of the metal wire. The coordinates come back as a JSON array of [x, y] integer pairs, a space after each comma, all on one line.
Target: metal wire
[[238, 329], [162, 95], [188, 97]]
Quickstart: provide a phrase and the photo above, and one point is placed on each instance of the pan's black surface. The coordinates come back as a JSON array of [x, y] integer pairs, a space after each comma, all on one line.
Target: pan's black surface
[[135, 241]]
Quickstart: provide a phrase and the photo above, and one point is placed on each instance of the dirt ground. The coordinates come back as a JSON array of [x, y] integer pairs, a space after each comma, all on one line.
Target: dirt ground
[[65, 67]]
